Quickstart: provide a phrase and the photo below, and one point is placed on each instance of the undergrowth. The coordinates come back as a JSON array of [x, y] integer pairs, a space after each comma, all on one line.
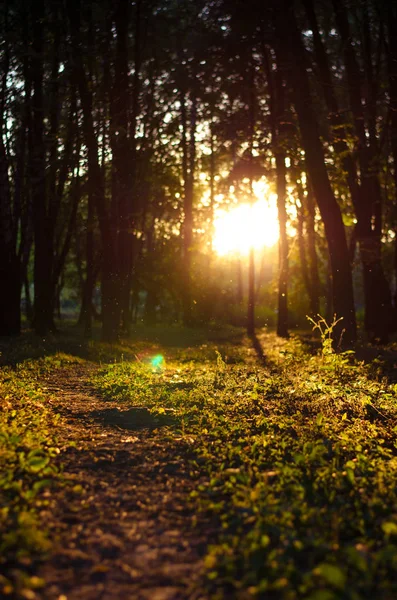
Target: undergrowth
[[28, 447], [295, 460]]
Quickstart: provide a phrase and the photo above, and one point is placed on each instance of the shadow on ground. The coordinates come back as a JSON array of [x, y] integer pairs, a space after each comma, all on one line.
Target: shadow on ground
[[71, 340], [257, 346], [135, 418]]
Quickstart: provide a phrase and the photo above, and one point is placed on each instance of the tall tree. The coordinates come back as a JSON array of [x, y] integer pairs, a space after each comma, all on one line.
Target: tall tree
[[378, 303], [43, 235], [277, 109], [10, 268], [295, 67]]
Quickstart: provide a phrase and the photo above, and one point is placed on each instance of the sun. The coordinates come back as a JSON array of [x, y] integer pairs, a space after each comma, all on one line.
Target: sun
[[247, 226]]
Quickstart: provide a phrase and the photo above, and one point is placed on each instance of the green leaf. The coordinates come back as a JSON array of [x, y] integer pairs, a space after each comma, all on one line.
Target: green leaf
[[350, 475], [322, 595], [332, 575], [389, 528], [36, 461], [265, 541], [42, 484]]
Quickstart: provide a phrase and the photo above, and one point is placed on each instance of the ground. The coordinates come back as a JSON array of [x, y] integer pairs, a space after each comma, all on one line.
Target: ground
[[197, 466], [131, 533]]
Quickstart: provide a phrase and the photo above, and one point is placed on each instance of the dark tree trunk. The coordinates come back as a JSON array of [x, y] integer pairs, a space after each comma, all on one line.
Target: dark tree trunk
[[251, 293], [110, 276], [282, 316], [312, 253], [378, 303], [188, 167], [392, 72], [89, 283], [251, 134], [277, 118], [212, 178], [306, 232], [122, 160], [43, 233], [239, 277], [10, 298], [342, 286], [338, 126], [28, 300], [306, 245], [132, 209]]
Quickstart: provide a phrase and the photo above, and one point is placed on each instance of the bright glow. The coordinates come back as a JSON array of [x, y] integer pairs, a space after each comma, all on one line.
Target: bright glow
[[157, 362], [246, 226]]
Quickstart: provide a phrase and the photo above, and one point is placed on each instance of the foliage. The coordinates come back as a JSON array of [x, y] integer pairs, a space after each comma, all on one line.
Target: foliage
[[295, 460], [28, 469]]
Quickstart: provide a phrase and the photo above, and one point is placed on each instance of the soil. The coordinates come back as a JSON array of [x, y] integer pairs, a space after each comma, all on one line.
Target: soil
[[122, 525]]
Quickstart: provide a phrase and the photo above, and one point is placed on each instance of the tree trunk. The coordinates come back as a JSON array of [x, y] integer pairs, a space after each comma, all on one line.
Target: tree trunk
[[43, 233], [305, 236], [378, 305], [110, 276], [313, 260], [342, 286], [188, 166], [122, 160], [277, 116], [392, 73], [251, 134], [10, 299]]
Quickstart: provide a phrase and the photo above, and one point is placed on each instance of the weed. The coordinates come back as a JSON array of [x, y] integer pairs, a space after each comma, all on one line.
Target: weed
[[295, 461], [28, 448]]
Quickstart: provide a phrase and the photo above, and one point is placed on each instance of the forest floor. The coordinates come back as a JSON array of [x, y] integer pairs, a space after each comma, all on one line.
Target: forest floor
[[194, 468]]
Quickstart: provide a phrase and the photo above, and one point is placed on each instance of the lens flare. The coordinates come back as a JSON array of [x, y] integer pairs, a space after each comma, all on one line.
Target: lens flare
[[157, 362]]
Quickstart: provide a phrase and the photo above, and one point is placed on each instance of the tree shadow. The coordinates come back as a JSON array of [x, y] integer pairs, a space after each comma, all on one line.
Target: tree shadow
[[258, 349], [135, 418], [71, 341], [383, 361]]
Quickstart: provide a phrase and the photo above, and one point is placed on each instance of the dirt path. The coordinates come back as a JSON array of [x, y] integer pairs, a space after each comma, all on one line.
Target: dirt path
[[122, 526]]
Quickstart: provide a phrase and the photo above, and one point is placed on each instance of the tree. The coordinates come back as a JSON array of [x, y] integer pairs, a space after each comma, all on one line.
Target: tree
[[297, 77]]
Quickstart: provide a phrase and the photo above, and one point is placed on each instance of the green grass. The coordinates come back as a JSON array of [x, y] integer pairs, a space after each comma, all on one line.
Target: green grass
[[28, 448], [142, 340], [296, 462]]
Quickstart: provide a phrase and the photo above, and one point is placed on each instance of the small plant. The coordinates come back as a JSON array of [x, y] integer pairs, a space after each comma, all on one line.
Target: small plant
[[327, 333], [220, 363], [286, 459], [220, 371], [28, 448]]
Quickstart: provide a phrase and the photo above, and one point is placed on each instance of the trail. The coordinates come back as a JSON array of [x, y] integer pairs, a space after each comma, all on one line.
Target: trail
[[122, 525]]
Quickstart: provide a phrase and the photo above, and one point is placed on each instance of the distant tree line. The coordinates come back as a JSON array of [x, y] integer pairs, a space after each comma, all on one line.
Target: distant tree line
[[112, 109]]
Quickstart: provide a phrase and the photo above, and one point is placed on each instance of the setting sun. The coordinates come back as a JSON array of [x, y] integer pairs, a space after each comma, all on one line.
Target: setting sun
[[246, 226]]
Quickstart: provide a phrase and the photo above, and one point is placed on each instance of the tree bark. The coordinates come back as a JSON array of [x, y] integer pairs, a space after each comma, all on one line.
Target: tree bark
[[294, 56], [110, 275], [277, 117], [188, 166], [10, 312], [392, 75], [251, 134], [43, 232], [379, 315], [123, 161]]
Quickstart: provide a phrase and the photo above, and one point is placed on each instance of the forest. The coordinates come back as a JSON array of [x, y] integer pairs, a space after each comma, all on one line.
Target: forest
[[198, 307]]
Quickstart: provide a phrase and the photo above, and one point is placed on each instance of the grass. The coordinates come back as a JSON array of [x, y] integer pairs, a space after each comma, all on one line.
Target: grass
[[295, 461], [28, 470]]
